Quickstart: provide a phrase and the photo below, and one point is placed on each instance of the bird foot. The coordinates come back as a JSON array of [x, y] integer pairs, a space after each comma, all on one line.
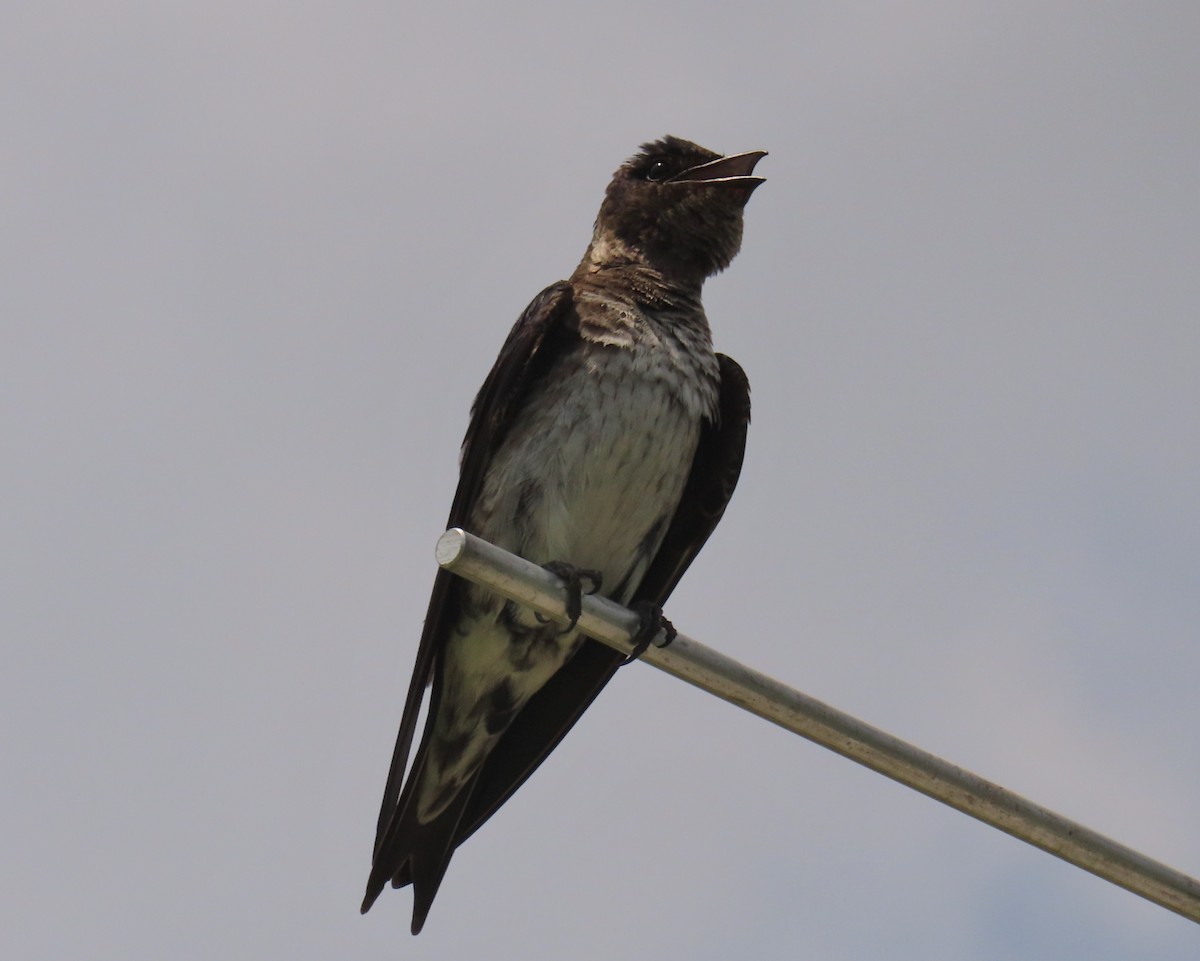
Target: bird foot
[[651, 622], [572, 578]]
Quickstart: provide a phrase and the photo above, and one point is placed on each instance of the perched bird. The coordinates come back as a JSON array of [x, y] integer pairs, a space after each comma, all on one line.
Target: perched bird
[[605, 444]]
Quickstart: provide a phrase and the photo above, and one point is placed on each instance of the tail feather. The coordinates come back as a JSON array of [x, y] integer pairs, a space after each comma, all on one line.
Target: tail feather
[[417, 851]]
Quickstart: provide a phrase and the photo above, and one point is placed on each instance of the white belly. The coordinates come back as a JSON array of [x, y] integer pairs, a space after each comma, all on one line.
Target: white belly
[[588, 479], [590, 475]]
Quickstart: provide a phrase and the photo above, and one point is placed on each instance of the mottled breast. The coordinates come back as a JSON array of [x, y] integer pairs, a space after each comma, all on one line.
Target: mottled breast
[[593, 469]]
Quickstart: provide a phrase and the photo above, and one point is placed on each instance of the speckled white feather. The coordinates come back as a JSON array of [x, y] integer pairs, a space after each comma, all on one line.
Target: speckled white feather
[[590, 474]]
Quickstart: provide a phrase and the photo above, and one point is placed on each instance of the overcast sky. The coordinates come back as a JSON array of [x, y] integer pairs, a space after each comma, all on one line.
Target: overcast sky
[[257, 257]]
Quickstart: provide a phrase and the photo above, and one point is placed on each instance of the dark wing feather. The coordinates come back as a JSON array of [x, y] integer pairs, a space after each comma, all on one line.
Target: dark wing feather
[[715, 472], [551, 713], [543, 331]]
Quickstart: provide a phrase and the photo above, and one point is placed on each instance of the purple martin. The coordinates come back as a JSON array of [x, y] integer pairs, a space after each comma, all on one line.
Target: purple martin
[[605, 444]]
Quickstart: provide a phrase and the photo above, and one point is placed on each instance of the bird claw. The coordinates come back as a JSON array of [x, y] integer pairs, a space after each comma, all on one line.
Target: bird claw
[[572, 578], [651, 621]]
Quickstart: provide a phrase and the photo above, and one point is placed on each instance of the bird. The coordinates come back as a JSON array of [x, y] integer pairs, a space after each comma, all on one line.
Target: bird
[[604, 444]]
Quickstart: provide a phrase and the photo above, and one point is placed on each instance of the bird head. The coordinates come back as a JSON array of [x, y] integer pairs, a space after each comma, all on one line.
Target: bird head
[[677, 208]]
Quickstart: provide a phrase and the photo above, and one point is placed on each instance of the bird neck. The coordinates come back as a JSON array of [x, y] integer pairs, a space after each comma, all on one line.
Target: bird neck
[[621, 272]]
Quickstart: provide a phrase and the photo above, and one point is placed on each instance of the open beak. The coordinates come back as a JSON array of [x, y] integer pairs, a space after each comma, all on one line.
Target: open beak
[[734, 171]]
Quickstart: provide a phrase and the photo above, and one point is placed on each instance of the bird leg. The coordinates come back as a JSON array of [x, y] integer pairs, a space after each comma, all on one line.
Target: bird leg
[[572, 578], [651, 621]]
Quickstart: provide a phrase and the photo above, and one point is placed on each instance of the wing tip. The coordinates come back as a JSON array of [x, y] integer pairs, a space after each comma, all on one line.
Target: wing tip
[[419, 914], [375, 886]]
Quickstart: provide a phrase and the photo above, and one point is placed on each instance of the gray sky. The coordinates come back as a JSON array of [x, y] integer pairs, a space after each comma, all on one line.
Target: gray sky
[[258, 258]]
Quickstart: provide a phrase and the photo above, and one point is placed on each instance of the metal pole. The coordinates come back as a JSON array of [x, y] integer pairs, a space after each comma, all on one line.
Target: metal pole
[[525, 582]]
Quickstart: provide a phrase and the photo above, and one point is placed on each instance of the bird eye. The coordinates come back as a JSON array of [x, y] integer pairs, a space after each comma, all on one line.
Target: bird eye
[[657, 171]]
